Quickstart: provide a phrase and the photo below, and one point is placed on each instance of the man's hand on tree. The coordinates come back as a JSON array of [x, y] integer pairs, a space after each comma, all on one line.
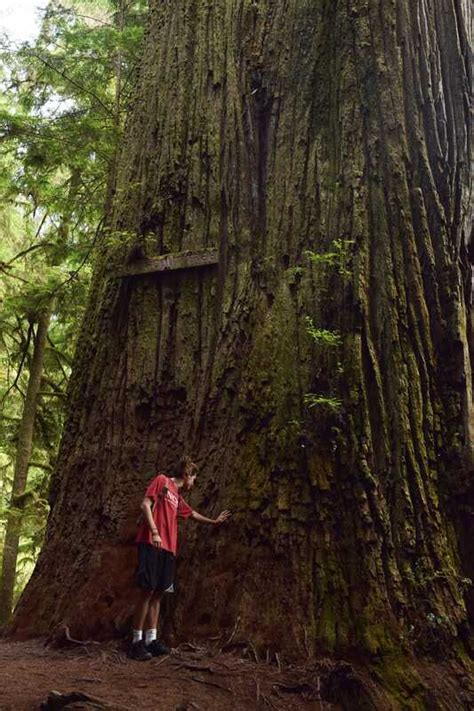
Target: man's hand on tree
[[223, 516]]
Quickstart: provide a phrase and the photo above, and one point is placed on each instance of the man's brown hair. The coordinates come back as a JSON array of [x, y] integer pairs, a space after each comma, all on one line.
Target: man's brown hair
[[184, 466]]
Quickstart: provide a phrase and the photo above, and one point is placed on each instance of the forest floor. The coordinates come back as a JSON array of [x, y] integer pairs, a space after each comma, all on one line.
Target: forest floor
[[37, 675]]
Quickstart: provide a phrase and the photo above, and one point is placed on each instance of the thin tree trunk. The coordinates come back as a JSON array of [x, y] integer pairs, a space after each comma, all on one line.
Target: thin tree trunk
[[119, 24], [20, 477]]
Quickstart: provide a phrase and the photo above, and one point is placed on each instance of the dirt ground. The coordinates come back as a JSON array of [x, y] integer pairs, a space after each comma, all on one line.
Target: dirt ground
[[189, 678], [69, 675]]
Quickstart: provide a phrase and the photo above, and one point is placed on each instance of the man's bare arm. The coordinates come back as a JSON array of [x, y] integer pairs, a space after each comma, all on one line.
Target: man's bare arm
[[223, 516], [146, 508]]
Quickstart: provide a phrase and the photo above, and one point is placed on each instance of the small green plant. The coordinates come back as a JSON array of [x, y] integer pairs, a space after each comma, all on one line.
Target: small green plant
[[312, 400], [338, 256], [295, 271], [322, 335], [425, 577], [322, 258], [437, 620]]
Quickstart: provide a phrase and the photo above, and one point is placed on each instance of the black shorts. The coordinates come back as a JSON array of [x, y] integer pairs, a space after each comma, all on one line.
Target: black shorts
[[155, 570]]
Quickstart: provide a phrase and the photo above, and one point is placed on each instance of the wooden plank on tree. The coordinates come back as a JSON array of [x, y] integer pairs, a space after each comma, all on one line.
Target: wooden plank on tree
[[172, 262]]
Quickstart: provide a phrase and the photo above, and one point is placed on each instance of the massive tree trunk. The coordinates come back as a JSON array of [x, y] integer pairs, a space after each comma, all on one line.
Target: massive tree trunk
[[20, 475], [322, 148]]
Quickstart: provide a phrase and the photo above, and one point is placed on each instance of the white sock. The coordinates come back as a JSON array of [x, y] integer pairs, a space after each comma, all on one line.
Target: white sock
[[150, 636], [137, 635]]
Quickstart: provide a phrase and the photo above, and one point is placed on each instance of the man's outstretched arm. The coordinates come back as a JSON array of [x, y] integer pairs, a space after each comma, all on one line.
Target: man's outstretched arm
[[223, 516]]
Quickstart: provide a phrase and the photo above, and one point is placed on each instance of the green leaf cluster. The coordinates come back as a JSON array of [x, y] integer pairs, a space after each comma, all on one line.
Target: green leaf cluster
[[313, 400], [338, 257], [322, 336]]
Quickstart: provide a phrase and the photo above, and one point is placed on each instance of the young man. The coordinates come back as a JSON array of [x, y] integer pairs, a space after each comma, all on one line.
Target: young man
[[157, 538]]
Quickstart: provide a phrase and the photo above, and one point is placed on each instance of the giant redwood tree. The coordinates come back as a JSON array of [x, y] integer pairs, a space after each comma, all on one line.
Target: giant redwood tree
[[304, 166]]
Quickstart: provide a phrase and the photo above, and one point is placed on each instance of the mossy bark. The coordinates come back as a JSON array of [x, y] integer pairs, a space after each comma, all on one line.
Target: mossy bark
[[267, 130]]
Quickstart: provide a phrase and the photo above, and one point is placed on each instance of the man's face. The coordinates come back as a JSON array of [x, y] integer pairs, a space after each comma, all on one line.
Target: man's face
[[189, 480]]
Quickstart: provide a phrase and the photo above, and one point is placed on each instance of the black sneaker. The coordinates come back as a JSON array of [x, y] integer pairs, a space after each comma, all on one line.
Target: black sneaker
[[138, 651], [157, 649]]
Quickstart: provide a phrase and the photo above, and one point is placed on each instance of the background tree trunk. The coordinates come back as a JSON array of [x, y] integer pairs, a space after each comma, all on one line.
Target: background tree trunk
[[24, 446], [267, 130]]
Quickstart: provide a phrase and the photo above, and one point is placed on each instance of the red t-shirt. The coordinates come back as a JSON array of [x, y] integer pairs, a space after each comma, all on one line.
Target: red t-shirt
[[168, 504]]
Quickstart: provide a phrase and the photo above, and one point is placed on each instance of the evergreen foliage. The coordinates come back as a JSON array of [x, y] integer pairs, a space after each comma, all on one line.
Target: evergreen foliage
[[61, 115]]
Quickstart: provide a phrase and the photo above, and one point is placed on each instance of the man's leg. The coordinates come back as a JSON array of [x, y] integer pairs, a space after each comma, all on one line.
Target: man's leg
[[151, 626], [151, 620], [142, 608], [137, 648]]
